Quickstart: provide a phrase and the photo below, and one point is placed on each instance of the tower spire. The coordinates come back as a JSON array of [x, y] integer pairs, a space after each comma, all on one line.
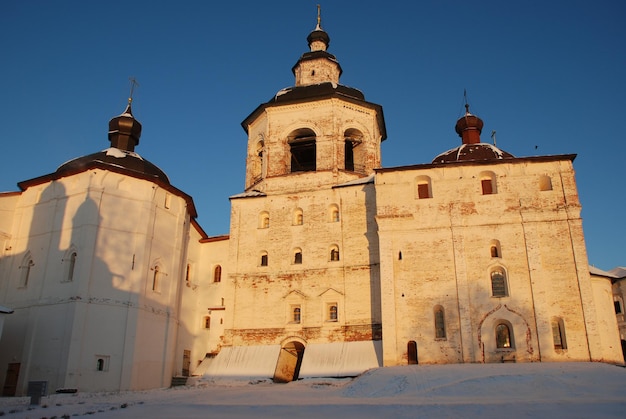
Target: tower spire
[[319, 18]]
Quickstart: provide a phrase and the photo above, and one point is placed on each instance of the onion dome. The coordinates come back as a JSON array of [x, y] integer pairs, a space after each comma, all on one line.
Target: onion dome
[[124, 133], [318, 39], [469, 128], [124, 130]]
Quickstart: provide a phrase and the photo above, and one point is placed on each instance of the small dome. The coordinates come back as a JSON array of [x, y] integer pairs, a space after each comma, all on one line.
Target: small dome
[[124, 130], [318, 34], [469, 128], [469, 152]]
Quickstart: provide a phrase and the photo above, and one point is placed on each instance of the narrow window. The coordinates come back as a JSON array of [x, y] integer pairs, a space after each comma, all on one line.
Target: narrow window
[[498, 283], [217, 274], [264, 259], [334, 214], [618, 307], [188, 273], [155, 278], [558, 333], [400, 255], [222, 301], [334, 253], [296, 313], [100, 364], [349, 155], [207, 322], [332, 312], [503, 336], [297, 257], [25, 268], [71, 267], [440, 325]]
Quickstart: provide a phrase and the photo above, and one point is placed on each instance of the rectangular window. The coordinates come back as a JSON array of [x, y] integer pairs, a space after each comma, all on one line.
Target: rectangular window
[[487, 186], [263, 260], [422, 191], [618, 307]]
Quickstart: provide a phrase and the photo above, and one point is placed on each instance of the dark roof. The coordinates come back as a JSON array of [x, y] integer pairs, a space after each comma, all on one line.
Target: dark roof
[[477, 151], [130, 161], [478, 162], [302, 94], [298, 93]]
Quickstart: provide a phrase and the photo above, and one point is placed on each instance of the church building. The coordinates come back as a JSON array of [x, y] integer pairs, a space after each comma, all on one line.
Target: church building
[[332, 265]]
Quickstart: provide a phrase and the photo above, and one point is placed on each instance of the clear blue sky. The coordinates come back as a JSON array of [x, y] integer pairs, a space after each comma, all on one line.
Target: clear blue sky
[[548, 76]]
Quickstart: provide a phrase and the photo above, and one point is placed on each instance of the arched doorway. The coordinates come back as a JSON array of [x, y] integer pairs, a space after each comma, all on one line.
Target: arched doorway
[[411, 351], [289, 361]]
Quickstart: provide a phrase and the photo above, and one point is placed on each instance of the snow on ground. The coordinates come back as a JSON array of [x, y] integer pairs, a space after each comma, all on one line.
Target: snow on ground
[[573, 390]]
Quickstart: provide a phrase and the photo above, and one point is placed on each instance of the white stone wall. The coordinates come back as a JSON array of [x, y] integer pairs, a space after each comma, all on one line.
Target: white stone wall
[[264, 296], [121, 228], [445, 244]]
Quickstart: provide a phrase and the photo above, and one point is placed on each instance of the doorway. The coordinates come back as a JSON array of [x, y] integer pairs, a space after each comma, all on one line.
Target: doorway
[[412, 352], [10, 382], [289, 362]]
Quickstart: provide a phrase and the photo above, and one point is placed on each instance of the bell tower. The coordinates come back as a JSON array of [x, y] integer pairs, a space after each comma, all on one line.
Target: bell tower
[[317, 133]]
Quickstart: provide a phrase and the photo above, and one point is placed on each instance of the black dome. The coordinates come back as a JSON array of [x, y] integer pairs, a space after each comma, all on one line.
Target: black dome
[[117, 160]]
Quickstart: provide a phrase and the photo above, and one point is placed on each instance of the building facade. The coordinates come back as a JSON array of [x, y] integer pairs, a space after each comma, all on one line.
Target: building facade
[[333, 265]]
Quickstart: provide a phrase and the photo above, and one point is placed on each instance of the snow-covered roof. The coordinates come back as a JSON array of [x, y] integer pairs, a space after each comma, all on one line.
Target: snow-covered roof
[[599, 272], [248, 194], [5, 310], [360, 181]]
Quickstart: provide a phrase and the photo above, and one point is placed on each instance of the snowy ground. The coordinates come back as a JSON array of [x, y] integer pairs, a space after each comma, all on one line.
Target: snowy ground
[[572, 390]]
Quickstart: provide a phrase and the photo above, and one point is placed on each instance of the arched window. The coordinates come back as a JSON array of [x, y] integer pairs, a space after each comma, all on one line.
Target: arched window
[[217, 274], [298, 217], [333, 213], [25, 268], [100, 364], [495, 249], [440, 324], [503, 336], [264, 220], [296, 314], [297, 256], [332, 312], [263, 258], [303, 150], [424, 190], [334, 253], [545, 183], [498, 283], [352, 156], [488, 183], [558, 333]]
